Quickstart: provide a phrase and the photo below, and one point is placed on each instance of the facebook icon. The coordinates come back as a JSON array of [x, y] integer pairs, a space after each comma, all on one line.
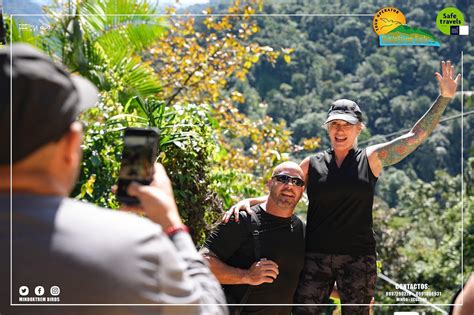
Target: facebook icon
[[39, 290]]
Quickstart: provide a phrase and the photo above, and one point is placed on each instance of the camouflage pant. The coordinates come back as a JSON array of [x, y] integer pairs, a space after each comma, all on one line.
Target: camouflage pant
[[355, 277]]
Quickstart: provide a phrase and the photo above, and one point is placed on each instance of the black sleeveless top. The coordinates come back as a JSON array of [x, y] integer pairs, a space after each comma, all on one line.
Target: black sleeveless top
[[340, 204]]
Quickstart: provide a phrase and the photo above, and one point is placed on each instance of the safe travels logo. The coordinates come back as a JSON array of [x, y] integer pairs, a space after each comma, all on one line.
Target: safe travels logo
[[390, 24], [450, 21]]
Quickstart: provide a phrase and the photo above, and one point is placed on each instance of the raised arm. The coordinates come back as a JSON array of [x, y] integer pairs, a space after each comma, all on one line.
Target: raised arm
[[305, 167], [394, 151]]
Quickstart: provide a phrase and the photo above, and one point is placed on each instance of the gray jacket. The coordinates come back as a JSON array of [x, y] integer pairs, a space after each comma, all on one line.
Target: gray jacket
[[99, 257]]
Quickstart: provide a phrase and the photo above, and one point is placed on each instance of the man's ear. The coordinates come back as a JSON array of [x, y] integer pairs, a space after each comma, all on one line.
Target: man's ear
[[71, 144]]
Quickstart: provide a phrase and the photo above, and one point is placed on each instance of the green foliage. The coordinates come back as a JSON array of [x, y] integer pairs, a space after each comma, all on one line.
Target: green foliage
[[338, 57], [188, 161], [101, 158], [104, 43], [421, 241], [232, 185], [389, 183], [187, 143]]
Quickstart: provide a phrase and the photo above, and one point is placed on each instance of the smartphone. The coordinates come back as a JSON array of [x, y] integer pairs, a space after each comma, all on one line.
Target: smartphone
[[140, 149]]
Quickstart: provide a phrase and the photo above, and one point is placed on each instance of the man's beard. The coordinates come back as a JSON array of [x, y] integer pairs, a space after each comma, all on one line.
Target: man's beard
[[283, 202]]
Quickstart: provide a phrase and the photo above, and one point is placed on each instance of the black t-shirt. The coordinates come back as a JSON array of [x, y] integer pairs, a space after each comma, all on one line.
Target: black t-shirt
[[281, 240], [340, 204]]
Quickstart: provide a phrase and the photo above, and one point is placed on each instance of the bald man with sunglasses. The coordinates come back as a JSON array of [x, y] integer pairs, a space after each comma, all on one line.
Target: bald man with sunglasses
[[268, 274]]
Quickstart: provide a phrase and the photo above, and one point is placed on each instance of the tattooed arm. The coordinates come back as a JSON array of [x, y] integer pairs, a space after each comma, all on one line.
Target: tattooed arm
[[394, 151]]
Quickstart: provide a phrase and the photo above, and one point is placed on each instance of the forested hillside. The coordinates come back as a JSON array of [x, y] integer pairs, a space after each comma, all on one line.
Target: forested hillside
[[334, 55], [338, 57]]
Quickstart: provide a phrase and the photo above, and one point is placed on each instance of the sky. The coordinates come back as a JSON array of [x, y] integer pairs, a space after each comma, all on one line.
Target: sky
[[184, 3], [35, 7]]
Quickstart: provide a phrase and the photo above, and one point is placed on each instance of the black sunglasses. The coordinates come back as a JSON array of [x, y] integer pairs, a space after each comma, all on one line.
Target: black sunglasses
[[285, 179]]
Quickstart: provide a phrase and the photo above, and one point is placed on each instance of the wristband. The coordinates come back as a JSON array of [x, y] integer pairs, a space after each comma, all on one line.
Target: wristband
[[172, 230]]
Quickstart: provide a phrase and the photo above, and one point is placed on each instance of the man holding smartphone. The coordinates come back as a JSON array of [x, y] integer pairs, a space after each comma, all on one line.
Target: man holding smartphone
[[71, 253]]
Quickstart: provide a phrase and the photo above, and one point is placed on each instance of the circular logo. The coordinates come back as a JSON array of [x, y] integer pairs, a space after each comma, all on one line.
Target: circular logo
[[449, 17], [55, 290], [387, 19], [24, 290], [39, 290]]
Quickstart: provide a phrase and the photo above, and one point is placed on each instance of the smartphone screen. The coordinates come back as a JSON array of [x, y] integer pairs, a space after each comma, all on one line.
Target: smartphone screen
[[140, 148]]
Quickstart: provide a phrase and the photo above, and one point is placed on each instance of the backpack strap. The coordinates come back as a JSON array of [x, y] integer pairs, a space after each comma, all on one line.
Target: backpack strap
[[255, 228], [255, 225]]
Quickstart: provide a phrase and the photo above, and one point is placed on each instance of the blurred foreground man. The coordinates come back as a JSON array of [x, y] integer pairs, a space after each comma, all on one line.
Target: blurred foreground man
[[69, 252], [259, 258]]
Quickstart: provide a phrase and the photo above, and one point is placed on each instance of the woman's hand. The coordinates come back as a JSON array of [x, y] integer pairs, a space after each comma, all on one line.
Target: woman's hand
[[447, 85], [235, 209]]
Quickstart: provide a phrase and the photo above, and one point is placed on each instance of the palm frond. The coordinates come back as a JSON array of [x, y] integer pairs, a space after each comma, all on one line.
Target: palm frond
[[137, 77], [128, 11], [107, 49], [129, 39], [112, 14]]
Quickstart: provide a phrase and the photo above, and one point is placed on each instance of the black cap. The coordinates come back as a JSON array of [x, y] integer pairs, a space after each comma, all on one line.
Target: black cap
[[346, 110], [44, 98]]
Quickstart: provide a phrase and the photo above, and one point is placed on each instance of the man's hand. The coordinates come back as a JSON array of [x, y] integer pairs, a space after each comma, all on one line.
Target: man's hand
[[156, 199], [447, 85], [263, 271], [135, 208]]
